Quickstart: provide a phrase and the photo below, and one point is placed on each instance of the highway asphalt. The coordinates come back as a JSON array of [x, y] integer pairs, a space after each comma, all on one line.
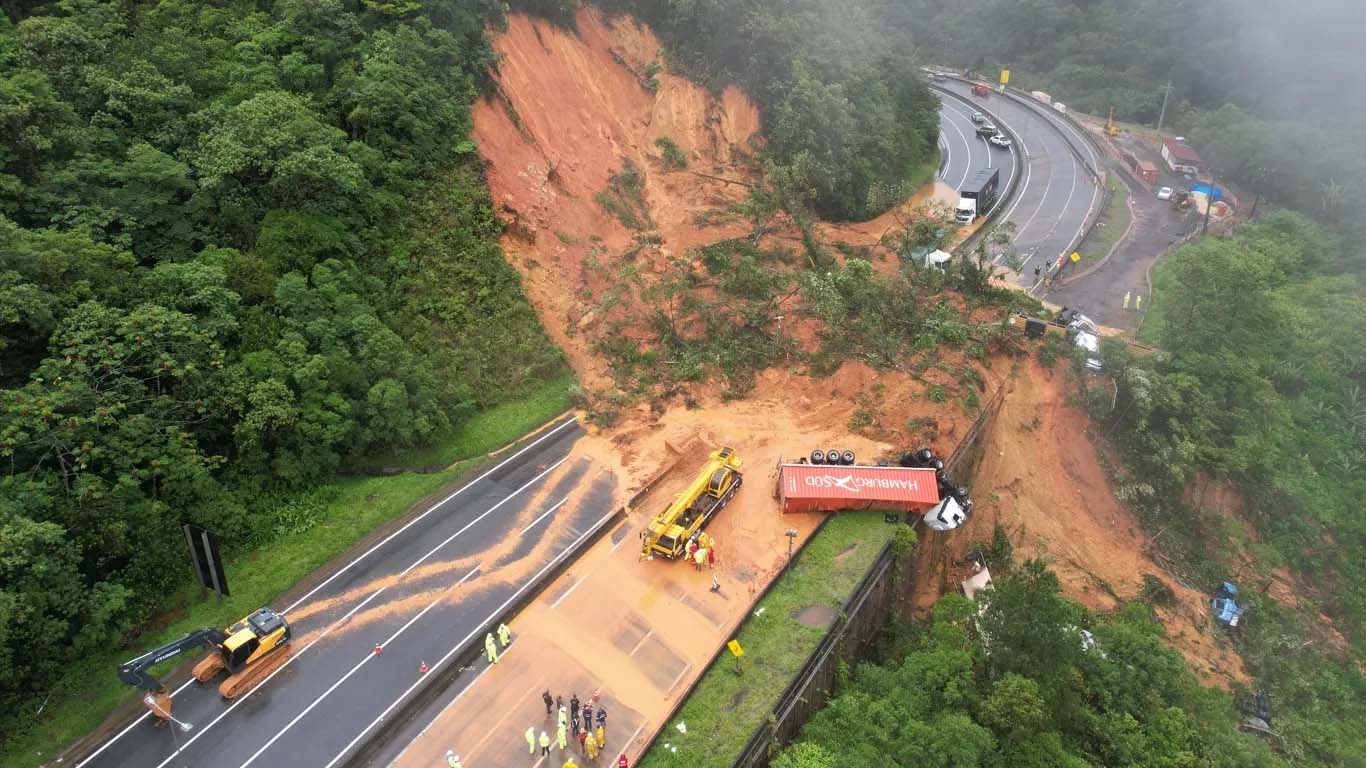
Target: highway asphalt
[[1057, 194], [431, 587], [962, 152]]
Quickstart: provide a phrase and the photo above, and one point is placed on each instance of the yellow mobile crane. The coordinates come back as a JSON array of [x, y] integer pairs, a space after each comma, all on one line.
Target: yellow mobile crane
[[669, 532], [1111, 127]]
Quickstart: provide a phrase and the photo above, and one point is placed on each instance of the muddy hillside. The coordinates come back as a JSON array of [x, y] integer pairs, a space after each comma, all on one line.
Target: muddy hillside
[[612, 173]]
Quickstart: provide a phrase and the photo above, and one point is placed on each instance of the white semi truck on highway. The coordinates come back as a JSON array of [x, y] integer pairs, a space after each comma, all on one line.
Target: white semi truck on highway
[[977, 195]]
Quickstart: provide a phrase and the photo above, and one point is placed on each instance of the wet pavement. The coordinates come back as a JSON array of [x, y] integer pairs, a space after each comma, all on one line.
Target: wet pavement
[[425, 592]]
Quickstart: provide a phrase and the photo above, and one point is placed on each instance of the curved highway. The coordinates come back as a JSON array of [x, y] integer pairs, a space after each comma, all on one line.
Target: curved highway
[[962, 151], [1057, 195]]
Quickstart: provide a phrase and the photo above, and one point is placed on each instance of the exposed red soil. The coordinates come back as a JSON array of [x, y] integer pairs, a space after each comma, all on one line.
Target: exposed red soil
[[572, 107], [1042, 480]]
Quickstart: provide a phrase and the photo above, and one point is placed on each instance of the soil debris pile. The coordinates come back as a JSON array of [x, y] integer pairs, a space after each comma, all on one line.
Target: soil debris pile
[[1043, 482]]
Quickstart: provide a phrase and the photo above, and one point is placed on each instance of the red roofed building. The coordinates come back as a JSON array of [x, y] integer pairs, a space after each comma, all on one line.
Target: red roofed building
[[1180, 157]]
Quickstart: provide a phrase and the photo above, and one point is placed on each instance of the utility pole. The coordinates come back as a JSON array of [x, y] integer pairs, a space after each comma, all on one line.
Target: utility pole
[[1166, 93]]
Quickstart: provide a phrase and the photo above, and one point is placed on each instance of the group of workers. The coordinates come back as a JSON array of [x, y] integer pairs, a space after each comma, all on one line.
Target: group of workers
[[702, 551], [592, 740], [491, 648]]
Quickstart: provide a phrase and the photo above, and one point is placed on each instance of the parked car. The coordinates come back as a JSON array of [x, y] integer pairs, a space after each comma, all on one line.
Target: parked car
[[1000, 140], [1164, 194], [987, 130], [978, 117]]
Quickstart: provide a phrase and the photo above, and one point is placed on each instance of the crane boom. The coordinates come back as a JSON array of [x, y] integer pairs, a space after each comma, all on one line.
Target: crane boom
[[670, 530]]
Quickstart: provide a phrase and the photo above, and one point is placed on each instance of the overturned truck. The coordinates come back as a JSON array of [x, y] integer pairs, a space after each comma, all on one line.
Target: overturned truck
[[916, 485]]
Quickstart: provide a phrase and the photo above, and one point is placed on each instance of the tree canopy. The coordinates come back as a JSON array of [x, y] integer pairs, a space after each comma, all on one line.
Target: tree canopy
[[1016, 685], [242, 245]]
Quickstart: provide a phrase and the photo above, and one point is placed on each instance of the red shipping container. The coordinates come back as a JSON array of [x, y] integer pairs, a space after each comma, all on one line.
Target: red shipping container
[[823, 488]]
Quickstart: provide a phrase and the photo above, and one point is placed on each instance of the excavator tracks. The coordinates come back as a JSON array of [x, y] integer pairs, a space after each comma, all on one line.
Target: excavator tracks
[[208, 667], [249, 678]]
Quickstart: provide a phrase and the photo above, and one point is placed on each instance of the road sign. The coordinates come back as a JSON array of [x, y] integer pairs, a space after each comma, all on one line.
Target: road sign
[[1076, 257], [208, 563], [1005, 76], [735, 649]]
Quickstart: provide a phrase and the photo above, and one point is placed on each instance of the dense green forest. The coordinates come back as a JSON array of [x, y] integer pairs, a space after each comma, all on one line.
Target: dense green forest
[[844, 117], [1017, 685], [1264, 340], [242, 245], [1273, 93]]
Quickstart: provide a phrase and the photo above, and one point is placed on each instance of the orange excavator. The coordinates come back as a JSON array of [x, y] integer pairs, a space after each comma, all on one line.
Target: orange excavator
[[248, 651]]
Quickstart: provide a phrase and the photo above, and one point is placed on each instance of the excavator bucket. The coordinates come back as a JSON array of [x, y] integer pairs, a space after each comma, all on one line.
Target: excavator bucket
[[162, 701]]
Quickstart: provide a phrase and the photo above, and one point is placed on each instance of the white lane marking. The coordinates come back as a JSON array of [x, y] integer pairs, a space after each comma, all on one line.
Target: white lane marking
[[1024, 157], [516, 595], [1013, 163], [1028, 174], [944, 155], [968, 165], [631, 740], [430, 510], [681, 673], [544, 515], [567, 592], [131, 726], [348, 615], [642, 642], [364, 555], [1048, 184], [428, 726], [337, 684], [343, 569]]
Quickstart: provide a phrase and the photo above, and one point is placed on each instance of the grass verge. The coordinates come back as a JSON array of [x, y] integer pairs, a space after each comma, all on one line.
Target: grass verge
[[1150, 327], [350, 509], [724, 709], [1114, 220], [511, 419]]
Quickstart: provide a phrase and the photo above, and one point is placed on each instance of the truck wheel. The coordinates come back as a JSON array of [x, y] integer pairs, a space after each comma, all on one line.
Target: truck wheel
[[818, 457], [847, 457]]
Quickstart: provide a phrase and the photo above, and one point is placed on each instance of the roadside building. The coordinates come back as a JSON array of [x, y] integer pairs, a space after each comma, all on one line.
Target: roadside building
[[1180, 157]]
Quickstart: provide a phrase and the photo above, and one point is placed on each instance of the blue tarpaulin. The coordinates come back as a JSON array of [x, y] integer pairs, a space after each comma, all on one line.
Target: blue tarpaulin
[[1215, 194]]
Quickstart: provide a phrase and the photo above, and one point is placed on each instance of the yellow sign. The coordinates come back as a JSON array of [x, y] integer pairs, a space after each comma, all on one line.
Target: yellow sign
[[1005, 76], [735, 649], [1076, 257]]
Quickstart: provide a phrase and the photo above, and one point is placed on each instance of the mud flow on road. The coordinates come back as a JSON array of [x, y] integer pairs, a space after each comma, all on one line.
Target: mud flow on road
[[638, 632], [423, 591]]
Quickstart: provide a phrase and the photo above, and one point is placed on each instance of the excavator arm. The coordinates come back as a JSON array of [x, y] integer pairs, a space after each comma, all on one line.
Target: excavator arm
[[134, 671]]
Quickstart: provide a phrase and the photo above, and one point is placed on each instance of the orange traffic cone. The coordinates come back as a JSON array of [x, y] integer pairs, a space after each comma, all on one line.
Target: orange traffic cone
[[379, 649], [422, 668]]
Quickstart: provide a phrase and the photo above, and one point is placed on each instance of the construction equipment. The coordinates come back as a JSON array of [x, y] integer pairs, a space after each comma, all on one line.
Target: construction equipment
[[669, 532], [1111, 127], [1224, 604], [249, 651]]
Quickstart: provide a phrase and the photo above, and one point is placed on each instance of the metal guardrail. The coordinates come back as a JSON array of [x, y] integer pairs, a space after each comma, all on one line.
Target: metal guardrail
[[970, 242]]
